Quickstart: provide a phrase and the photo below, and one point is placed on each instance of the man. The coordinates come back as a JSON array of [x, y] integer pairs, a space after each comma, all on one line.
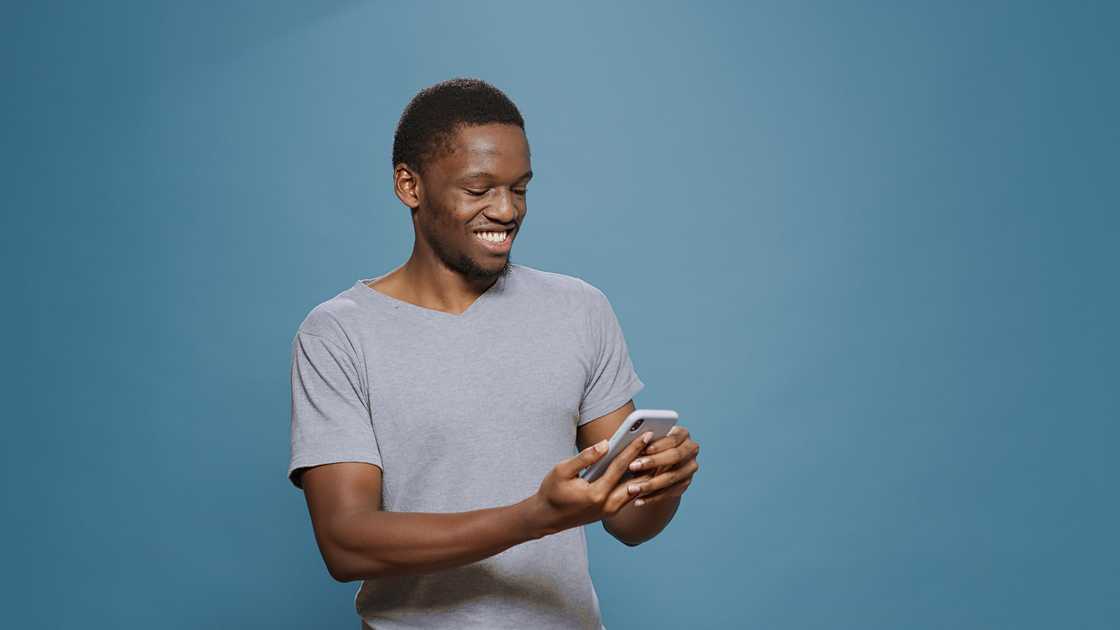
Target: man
[[436, 409]]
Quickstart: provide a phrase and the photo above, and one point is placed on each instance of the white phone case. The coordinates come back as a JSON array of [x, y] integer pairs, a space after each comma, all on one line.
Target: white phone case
[[660, 421]]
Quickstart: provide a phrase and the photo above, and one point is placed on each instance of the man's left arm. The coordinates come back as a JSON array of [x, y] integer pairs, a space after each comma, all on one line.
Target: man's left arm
[[663, 472]]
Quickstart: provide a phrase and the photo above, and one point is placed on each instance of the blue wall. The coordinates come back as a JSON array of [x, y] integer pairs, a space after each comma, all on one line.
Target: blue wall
[[868, 251]]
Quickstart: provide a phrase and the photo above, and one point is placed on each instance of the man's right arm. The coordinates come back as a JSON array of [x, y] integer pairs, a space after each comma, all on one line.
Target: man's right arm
[[360, 541]]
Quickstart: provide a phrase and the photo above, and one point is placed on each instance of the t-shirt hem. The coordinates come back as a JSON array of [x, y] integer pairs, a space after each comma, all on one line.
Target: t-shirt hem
[[310, 462], [601, 409]]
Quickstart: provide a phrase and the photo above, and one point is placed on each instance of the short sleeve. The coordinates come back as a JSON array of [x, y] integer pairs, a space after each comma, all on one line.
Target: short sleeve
[[612, 381], [330, 419]]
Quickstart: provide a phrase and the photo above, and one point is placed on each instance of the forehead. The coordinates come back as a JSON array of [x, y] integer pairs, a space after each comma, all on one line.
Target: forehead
[[498, 149]]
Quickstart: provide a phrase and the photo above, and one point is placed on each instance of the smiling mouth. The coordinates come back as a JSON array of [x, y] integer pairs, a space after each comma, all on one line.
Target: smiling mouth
[[493, 237], [495, 242]]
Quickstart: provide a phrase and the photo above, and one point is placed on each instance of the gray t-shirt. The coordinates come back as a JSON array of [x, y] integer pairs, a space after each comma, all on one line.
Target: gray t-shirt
[[464, 412]]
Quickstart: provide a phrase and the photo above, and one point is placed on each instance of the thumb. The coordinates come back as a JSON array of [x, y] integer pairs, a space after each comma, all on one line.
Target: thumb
[[570, 467]]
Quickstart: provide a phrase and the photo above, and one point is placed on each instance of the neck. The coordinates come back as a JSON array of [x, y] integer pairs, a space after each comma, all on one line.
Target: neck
[[430, 277], [425, 281]]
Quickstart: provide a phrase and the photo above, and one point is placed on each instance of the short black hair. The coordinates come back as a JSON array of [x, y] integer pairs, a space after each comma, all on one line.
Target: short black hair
[[432, 116]]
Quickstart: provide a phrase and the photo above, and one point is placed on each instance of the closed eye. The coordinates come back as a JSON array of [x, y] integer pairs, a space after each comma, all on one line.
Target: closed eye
[[479, 193]]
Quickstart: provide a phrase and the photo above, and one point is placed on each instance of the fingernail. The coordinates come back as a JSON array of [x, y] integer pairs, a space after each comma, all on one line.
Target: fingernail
[[636, 464], [633, 488], [601, 446], [647, 436], [639, 502]]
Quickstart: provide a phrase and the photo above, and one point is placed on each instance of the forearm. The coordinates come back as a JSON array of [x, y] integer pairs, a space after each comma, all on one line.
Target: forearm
[[636, 524], [374, 543]]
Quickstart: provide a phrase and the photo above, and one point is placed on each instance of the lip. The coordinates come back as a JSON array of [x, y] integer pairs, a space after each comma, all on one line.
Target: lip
[[496, 248]]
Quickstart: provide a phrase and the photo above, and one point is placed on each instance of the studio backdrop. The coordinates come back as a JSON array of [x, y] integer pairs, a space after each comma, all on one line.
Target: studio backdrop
[[868, 251]]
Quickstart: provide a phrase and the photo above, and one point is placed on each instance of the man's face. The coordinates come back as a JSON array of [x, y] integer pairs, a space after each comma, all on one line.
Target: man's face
[[472, 199]]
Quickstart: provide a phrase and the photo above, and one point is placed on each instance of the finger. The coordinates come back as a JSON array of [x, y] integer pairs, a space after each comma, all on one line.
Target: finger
[[669, 477], [633, 486], [674, 490], [618, 466], [659, 445], [570, 467], [672, 457], [659, 482], [675, 437], [622, 495]]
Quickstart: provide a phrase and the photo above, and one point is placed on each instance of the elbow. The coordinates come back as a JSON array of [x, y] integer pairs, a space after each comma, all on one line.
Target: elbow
[[349, 556], [629, 542], [340, 574], [340, 568], [617, 535], [343, 572], [348, 569], [345, 564]]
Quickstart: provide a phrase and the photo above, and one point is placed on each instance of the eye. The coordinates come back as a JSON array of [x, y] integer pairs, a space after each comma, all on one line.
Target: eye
[[476, 193], [520, 192]]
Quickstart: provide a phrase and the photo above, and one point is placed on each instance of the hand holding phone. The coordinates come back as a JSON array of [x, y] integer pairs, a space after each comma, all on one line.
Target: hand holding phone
[[568, 497], [660, 421]]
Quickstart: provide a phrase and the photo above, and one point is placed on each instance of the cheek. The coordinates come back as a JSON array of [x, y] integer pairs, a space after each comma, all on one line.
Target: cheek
[[447, 218], [456, 213]]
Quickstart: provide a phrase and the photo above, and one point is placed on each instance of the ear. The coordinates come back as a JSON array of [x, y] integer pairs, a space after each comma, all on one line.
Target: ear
[[406, 185]]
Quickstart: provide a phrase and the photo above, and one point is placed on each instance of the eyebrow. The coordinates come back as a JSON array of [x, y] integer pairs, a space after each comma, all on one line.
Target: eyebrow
[[484, 175]]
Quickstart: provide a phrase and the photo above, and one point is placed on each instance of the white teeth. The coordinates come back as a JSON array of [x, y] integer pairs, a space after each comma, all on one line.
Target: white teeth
[[493, 237]]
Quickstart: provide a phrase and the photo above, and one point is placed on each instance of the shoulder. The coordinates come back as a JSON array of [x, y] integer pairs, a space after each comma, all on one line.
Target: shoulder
[[573, 290], [332, 319]]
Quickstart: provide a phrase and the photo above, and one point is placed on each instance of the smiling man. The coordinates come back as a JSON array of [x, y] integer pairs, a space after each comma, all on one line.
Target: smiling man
[[441, 412]]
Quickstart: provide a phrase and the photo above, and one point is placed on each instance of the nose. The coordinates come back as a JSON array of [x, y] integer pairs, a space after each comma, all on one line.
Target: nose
[[504, 208]]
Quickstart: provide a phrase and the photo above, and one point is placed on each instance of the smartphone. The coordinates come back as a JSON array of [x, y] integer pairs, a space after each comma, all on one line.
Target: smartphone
[[638, 422]]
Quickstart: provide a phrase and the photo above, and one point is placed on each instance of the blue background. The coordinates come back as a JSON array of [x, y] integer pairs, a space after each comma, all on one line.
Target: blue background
[[868, 251]]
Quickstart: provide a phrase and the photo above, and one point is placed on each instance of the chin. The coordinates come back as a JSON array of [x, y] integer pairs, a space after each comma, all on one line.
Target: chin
[[501, 269], [470, 268]]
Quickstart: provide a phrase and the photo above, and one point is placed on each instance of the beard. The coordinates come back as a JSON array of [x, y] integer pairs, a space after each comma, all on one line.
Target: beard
[[463, 264]]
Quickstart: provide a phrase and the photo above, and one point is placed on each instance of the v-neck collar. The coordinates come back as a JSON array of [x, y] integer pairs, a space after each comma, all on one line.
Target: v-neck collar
[[362, 285]]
